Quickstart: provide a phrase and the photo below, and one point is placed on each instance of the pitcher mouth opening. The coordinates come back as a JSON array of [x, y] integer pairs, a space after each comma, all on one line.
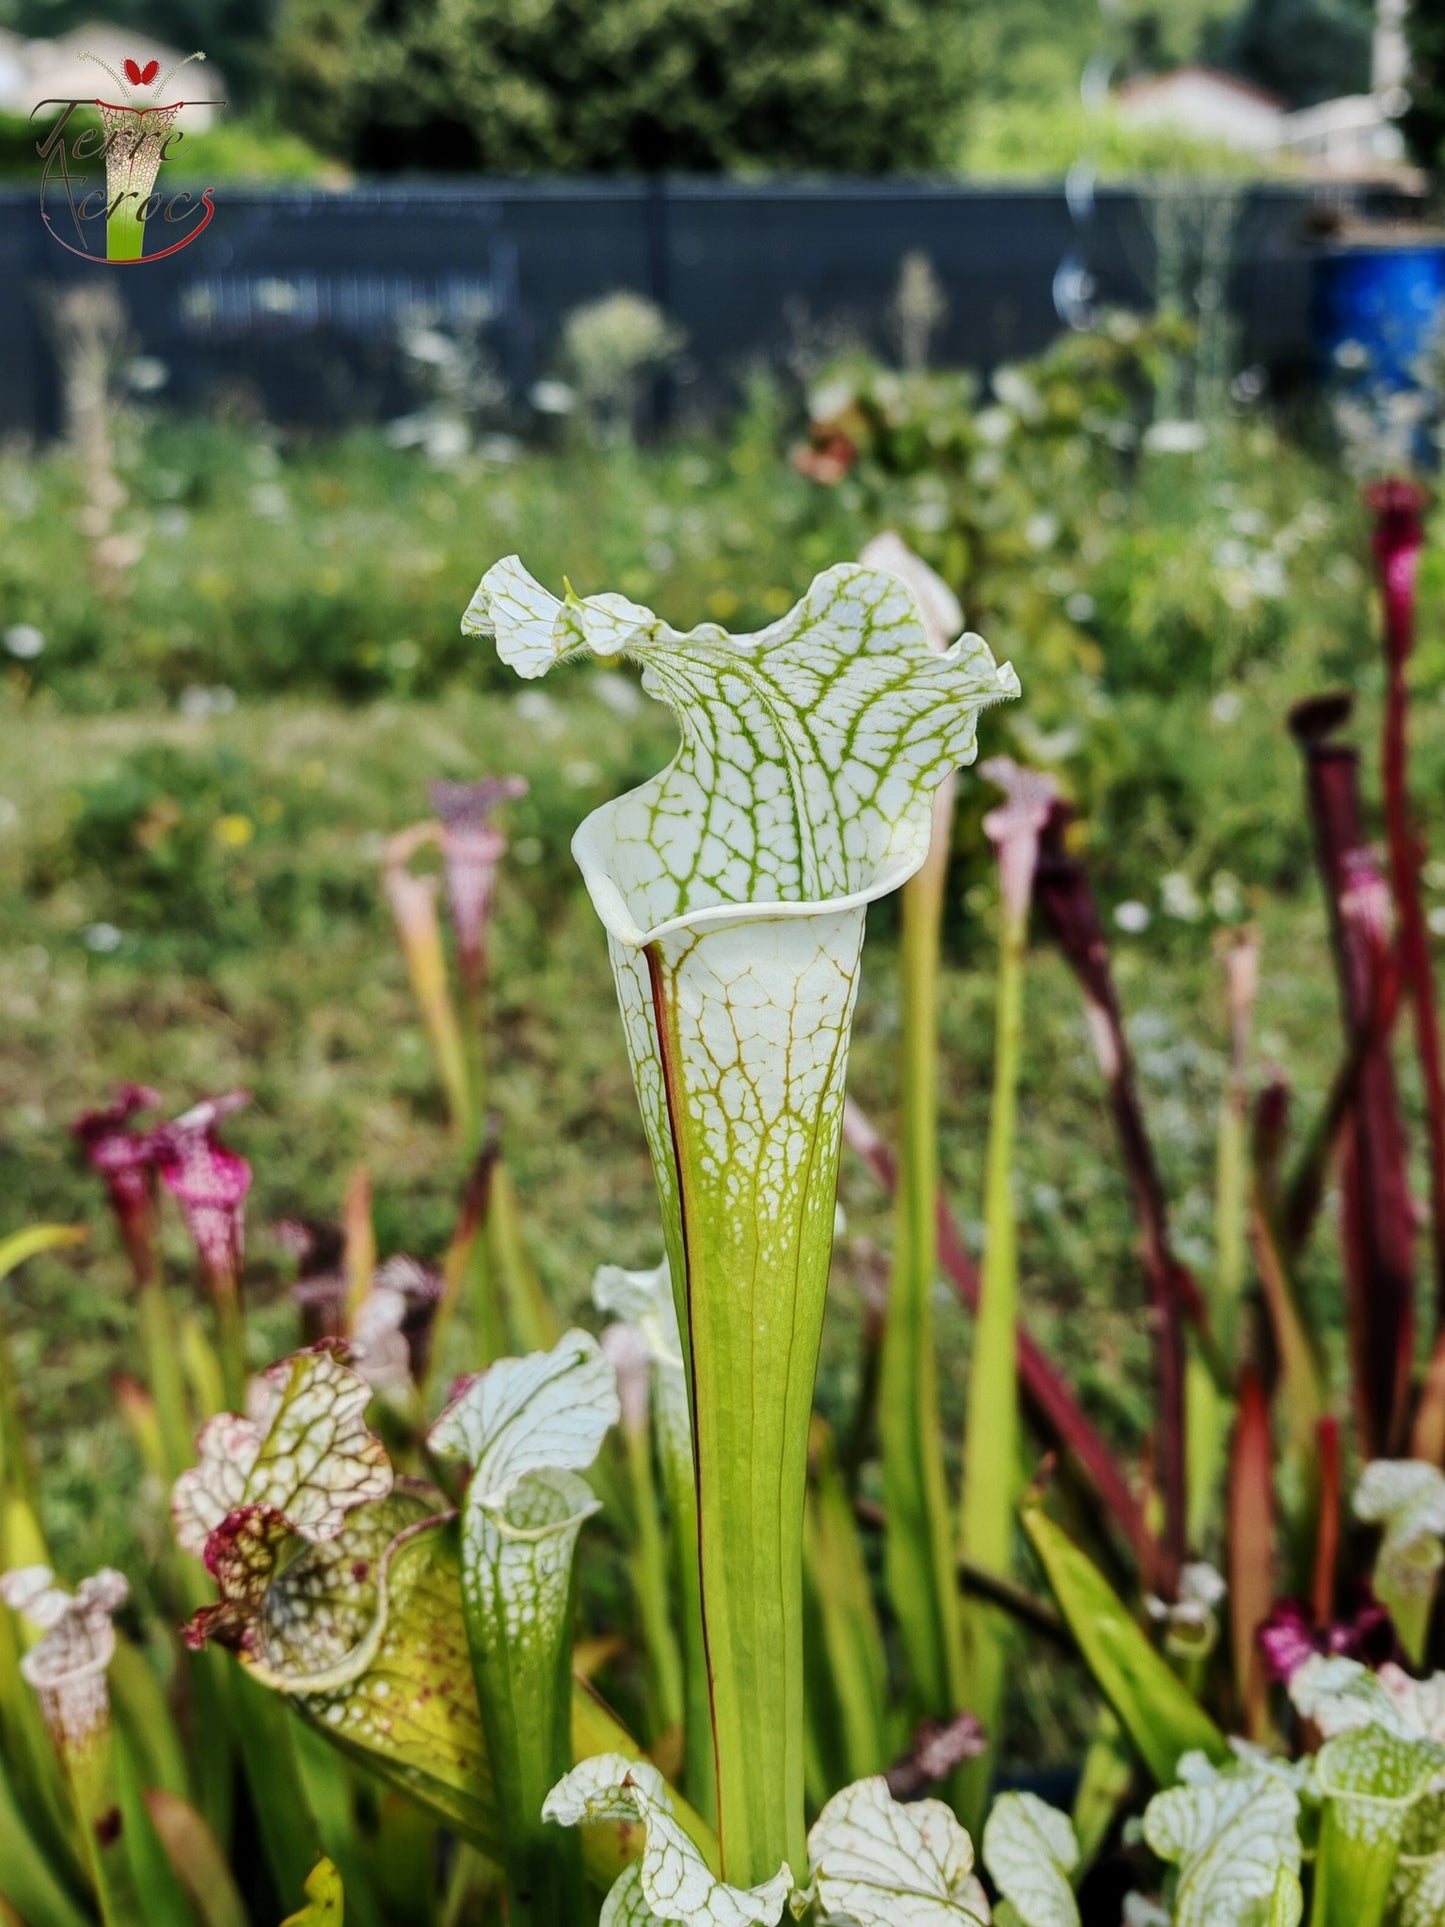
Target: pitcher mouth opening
[[590, 848]]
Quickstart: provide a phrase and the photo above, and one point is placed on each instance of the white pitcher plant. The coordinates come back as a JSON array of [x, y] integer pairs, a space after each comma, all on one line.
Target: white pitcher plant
[[734, 887]]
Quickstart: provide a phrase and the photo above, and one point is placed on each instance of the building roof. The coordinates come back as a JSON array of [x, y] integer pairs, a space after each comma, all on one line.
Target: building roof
[[1204, 105], [1193, 75]]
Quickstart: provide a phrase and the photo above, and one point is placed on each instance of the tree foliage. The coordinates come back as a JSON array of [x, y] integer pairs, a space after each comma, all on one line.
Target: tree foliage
[[516, 86], [1303, 50], [1424, 119]]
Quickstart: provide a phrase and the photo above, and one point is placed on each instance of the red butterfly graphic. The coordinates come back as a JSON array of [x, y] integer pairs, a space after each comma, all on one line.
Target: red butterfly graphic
[[139, 76]]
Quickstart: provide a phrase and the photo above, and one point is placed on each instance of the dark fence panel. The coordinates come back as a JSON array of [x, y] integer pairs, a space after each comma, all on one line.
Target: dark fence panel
[[293, 298]]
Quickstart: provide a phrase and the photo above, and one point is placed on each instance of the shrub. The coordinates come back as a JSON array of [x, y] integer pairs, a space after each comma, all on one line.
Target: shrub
[[860, 86], [1424, 119]]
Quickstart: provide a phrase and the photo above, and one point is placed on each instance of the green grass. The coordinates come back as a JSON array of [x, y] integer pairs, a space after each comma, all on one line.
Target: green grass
[[236, 853]]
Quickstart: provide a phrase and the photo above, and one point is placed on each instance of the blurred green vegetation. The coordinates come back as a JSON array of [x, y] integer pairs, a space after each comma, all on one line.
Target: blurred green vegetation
[[873, 86], [237, 148], [1016, 139]]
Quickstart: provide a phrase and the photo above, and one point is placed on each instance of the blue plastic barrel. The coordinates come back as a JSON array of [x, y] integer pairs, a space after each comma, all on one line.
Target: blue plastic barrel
[[1377, 309]]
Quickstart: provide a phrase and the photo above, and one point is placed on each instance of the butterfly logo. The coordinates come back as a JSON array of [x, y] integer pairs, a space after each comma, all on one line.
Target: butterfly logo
[[133, 74]]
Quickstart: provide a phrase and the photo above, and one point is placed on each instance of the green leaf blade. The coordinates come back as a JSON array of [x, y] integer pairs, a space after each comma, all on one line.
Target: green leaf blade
[[1162, 1718]]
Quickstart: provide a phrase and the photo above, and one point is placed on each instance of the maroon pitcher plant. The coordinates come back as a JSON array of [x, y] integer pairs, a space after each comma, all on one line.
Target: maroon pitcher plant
[[1398, 508], [1378, 1218]]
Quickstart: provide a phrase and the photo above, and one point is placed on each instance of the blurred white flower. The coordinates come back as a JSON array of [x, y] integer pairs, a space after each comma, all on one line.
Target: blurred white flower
[[270, 500], [1226, 896], [19, 494], [534, 706], [1140, 1911], [1081, 607], [830, 400], [1249, 521], [197, 702], [930, 517], [994, 426], [552, 397], [120, 551], [173, 523], [146, 373], [441, 436], [620, 694], [1180, 898], [23, 641], [1175, 437], [1132, 917], [1227, 706], [446, 440], [102, 938], [275, 296], [1041, 531], [1436, 921], [1014, 389], [1046, 746], [430, 345]]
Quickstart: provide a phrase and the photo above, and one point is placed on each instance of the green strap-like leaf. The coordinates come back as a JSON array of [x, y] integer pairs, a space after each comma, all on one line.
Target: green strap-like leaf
[[1231, 1836], [1154, 1706], [673, 1885], [848, 1727], [200, 1864], [883, 1864], [645, 1299], [1030, 1850], [28, 1877], [326, 1903], [36, 1238]]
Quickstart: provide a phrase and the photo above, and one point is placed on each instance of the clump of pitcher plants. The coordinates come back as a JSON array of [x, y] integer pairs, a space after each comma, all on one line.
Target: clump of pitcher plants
[[387, 1705]]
